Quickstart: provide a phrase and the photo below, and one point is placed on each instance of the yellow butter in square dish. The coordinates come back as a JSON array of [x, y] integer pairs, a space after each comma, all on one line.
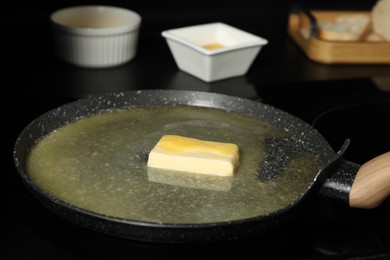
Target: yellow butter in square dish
[[179, 153]]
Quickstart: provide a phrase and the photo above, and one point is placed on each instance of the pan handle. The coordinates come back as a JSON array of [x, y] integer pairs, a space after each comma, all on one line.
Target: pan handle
[[371, 185]]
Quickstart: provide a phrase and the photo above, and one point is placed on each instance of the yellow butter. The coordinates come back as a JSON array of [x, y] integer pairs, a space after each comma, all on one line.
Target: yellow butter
[[213, 46], [193, 155], [179, 144]]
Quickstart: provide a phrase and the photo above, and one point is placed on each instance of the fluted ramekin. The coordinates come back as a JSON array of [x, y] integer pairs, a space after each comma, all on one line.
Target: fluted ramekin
[[95, 36]]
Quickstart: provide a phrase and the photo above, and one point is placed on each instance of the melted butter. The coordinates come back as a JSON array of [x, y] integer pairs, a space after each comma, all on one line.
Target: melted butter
[[181, 144], [99, 163], [213, 46]]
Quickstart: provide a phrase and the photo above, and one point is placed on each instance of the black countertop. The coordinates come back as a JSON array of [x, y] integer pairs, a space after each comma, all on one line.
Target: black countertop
[[35, 81], [28, 48]]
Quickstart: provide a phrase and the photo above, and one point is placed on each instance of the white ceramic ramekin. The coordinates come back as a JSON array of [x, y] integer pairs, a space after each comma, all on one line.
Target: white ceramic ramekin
[[95, 36], [213, 51]]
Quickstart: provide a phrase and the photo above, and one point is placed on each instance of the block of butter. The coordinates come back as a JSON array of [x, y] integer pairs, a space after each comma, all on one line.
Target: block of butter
[[181, 153]]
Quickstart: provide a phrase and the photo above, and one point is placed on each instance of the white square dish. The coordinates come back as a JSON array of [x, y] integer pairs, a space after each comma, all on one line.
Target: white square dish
[[213, 51]]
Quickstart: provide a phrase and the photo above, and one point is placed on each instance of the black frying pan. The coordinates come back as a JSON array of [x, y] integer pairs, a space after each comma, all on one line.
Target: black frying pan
[[328, 172]]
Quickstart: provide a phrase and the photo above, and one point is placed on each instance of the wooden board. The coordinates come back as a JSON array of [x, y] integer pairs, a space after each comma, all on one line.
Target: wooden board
[[335, 52]]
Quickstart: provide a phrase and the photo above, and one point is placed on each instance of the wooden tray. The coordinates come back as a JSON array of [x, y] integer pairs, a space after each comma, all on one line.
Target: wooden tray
[[302, 27]]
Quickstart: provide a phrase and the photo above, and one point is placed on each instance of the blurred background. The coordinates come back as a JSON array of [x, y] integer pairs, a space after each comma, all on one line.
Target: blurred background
[[27, 40]]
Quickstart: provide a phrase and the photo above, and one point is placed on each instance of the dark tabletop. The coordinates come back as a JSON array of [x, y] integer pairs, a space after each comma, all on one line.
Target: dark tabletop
[[32, 66], [34, 81]]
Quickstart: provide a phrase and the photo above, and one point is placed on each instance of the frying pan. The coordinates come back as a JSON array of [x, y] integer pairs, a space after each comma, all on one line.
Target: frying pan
[[363, 186]]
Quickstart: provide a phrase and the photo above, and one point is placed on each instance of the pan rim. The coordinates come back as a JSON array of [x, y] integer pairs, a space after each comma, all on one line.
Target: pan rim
[[156, 92]]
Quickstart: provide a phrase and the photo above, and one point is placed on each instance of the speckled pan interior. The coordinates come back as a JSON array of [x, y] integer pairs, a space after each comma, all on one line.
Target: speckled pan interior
[[286, 157]]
